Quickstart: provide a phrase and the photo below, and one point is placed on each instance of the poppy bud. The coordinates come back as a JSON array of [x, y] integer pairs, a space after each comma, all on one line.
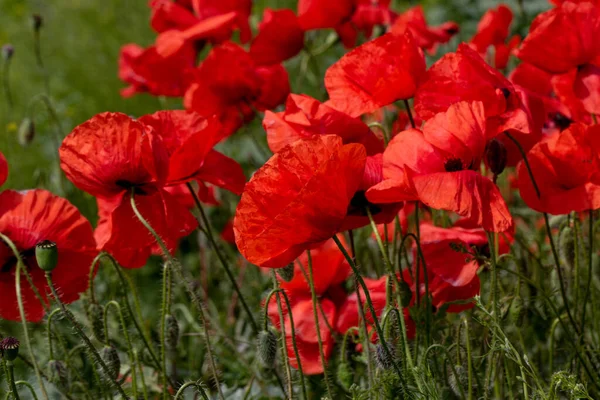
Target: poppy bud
[[46, 254], [345, 375], [57, 372], [405, 293], [95, 314], [566, 246], [287, 273], [7, 51], [172, 332], [267, 348], [36, 22], [26, 131], [518, 311], [495, 156], [111, 359], [384, 360], [9, 348]]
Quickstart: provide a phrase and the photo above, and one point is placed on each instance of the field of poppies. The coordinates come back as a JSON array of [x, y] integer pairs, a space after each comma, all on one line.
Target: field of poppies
[[300, 199]]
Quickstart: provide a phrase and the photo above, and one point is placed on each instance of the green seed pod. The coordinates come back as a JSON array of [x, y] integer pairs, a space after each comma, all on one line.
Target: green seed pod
[[9, 348], [46, 254], [57, 372], [26, 131], [287, 273], [267, 348], [345, 375], [172, 332], [384, 361], [566, 247], [518, 311], [95, 314], [405, 293], [110, 356]]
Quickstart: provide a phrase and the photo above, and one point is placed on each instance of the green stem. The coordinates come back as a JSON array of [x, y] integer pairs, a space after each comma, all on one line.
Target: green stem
[[11, 380], [286, 361], [316, 316], [589, 275], [410, 116], [90, 347], [28, 386], [469, 359], [211, 239], [196, 385], [49, 332], [452, 367]]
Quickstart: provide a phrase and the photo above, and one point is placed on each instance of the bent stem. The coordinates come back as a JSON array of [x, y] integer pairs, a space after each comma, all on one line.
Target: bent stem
[[211, 238], [316, 315], [20, 267], [362, 283], [88, 344], [197, 385]]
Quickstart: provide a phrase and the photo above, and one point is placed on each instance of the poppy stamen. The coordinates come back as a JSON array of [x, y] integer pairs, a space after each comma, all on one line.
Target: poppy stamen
[[359, 203], [453, 165]]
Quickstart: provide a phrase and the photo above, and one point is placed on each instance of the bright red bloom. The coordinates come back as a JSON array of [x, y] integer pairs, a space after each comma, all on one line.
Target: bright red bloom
[[318, 14], [504, 51], [282, 212], [146, 71], [493, 28], [305, 117], [532, 78], [279, 37], [439, 166], [426, 37], [111, 155], [375, 74], [228, 83], [3, 169], [566, 168], [167, 15], [366, 16], [28, 218]]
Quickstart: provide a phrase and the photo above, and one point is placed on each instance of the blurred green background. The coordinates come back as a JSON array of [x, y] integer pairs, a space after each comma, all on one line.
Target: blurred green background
[[80, 42]]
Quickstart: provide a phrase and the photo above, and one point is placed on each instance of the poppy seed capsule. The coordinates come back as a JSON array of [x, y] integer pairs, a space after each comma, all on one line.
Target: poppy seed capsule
[[46, 254], [26, 132], [172, 332], [566, 246], [384, 360], [57, 372], [111, 359], [345, 375], [287, 273], [9, 348], [267, 348], [496, 156], [95, 314]]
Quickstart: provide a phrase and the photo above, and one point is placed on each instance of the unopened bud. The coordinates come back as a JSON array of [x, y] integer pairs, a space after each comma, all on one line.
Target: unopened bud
[[110, 356], [95, 315], [9, 348], [496, 156], [7, 51], [36, 22], [26, 131], [46, 254], [267, 348], [287, 273], [384, 360], [57, 372], [345, 375], [405, 293], [566, 246], [172, 332], [518, 311]]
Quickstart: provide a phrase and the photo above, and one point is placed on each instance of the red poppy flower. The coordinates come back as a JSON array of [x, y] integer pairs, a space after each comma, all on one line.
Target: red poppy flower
[[146, 71], [532, 78], [229, 84], [227, 232], [282, 212], [205, 193], [564, 40], [28, 218], [167, 15], [426, 37], [492, 29], [317, 14], [305, 117], [366, 16], [504, 51], [566, 168], [205, 9], [111, 155], [440, 165], [279, 37], [3, 169], [375, 74]]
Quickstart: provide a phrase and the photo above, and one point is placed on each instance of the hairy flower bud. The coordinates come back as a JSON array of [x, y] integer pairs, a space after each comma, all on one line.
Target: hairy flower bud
[[172, 332], [384, 360], [57, 372], [46, 254], [26, 131], [345, 375], [95, 315], [267, 348], [286, 273], [110, 356], [9, 348], [496, 156], [566, 246]]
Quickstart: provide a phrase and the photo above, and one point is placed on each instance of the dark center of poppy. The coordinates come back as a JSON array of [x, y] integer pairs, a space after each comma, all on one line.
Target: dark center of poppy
[[359, 203], [11, 262], [128, 186], [452, 30], [453, 165], [505, 92], [561, 121]]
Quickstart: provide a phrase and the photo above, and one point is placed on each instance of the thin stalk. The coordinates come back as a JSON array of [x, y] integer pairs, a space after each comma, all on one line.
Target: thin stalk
[[6, 84], [286, 361], [410, 116], [11, 380], [452, 367], [21, 266], [469, 359], [197, 385], [90, 347], [590, 264], [28, 386], [49, 332], [211, 239], [141, 369], [316, 315]]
